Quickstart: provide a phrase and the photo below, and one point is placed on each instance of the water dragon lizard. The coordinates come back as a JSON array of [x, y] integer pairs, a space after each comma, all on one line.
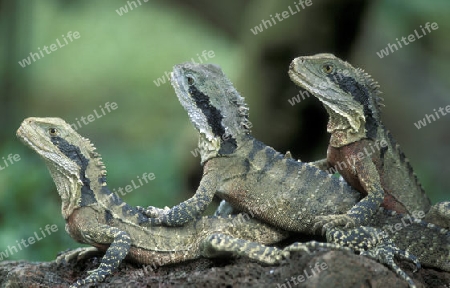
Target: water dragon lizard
[[361, 149], [255, 178], [96, 216]]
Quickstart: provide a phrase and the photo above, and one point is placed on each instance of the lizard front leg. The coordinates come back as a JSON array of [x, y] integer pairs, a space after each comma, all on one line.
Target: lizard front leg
[[188, 210], [361, 212], [120, 245]]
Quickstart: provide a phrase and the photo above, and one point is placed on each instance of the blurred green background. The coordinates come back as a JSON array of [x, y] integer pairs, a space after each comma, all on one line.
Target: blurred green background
[[120, 58]]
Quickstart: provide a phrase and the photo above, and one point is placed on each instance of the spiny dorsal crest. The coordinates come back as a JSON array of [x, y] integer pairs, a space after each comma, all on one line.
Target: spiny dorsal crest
[[374, 87], [95, 156]]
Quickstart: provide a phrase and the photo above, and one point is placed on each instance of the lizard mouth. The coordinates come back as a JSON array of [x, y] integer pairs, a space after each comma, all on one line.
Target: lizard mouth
[[21, 134], [298, 77], [25, 134]]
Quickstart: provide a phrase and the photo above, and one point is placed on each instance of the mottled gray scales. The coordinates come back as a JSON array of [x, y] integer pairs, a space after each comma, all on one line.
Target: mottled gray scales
[[351, 98], [120, 230], [250, 178]]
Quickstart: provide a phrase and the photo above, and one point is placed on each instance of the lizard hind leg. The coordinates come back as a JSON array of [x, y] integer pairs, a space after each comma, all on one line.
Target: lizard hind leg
[[374, 243], [385, 254], [220, 245]]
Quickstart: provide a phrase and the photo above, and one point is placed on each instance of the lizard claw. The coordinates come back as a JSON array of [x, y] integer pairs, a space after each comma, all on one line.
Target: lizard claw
[[297, 246], [77, 254], [332, 221], [273, 258], [153, 212]]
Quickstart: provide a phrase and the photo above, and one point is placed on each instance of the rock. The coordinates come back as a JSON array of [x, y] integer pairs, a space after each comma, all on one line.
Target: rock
[[320, 269]]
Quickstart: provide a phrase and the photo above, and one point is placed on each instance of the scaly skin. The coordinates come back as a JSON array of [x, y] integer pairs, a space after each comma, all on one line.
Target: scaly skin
[[256, 179], [97, 217], [361, 149], [249, 175]]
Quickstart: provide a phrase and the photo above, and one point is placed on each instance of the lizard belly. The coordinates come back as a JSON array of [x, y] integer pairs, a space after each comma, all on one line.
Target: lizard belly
[[344, 160]]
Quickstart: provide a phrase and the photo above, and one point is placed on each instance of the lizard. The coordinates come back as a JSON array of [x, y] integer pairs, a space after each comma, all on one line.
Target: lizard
[[96, 216], [251, 176], [361, 149]]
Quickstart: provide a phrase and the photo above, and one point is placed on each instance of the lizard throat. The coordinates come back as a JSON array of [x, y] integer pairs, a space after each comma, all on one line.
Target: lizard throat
[[212, 114], [342, 132], [341, 138], [361, 95], [222, 143]]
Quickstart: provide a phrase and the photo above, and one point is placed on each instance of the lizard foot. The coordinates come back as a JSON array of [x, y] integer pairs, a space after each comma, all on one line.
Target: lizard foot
[[95, 276], [376, 244], [77, 254], [221, 244], [157, 214], [385, 253], [297, 246], [331, 221]]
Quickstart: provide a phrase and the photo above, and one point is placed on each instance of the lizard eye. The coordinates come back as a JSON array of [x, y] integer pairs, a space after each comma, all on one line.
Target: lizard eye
[[53, 131], [327, 68], [190, 80]]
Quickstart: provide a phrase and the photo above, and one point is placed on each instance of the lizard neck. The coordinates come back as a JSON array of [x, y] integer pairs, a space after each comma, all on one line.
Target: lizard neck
[[222, 147], [341, 131], [364, 92], [91, 188]]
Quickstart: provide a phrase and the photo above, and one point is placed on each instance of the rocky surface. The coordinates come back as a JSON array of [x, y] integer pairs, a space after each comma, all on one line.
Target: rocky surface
[[319, 269]]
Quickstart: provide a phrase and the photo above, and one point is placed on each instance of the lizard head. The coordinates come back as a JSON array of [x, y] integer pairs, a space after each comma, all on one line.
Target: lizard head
[[65, 154], [214, 106], [349, 94]]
